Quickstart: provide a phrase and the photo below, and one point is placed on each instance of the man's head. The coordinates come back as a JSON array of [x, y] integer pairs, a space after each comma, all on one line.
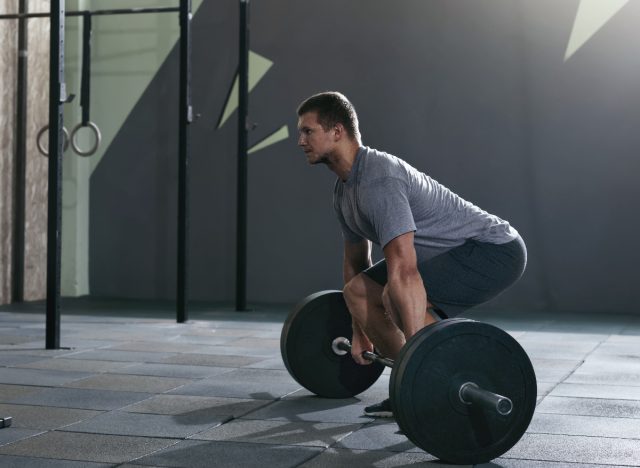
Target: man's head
[[333, 108]]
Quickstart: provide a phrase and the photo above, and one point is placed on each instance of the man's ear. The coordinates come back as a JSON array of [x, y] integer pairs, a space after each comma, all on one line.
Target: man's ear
[[340, 131]]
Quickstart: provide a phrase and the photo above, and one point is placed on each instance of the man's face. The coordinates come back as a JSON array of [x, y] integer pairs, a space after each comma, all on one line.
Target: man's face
[[313, 139]]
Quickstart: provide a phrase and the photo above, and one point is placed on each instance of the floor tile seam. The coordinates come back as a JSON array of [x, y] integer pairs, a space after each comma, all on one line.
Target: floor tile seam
[[44, 459], [36, 434], [208, 376], [112, 434], [571, 397], [569, 374], [315, 455], [25, 367], [361, 427], [323, 446], [589, 383], [564, 462], [589, 415], [242, 416], [151, 453], [600, 437]]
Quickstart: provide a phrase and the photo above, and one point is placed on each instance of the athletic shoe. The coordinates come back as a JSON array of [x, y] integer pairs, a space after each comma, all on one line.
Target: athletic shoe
[[380, 410]]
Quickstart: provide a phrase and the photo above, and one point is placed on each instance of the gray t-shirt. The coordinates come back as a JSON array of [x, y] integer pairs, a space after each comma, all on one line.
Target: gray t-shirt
[[384, 197]]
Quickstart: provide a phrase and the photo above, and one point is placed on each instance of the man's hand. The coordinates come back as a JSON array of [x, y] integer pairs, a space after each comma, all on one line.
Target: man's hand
[[359, 344]]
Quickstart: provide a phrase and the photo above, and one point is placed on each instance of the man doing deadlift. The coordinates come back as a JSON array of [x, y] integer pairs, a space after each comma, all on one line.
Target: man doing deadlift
[[442, 254]]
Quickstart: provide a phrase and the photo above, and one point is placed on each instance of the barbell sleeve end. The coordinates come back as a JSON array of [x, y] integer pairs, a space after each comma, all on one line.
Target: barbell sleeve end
[[471, 394]]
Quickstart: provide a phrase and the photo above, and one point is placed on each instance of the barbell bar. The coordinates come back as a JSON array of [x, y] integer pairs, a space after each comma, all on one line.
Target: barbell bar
[[469, 393]]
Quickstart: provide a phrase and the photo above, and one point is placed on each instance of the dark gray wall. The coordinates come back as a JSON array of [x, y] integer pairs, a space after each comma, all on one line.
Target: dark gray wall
[[476, 94]]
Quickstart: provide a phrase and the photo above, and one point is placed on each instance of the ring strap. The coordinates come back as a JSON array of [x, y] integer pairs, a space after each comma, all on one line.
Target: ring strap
[[85, 83]]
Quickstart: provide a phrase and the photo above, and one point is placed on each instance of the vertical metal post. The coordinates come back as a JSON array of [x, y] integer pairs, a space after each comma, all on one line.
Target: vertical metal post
[[20, 161], [243, 107], [185, 113], [57, 97]]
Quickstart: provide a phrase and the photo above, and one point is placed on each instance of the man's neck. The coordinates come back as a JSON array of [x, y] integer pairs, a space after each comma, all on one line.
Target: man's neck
[[343, 160]]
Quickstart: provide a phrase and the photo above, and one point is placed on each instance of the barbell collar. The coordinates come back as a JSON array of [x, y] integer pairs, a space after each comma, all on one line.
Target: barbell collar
[[471, 394], [342, 346]]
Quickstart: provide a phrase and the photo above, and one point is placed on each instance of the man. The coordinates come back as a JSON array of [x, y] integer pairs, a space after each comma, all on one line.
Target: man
[[442, 254]]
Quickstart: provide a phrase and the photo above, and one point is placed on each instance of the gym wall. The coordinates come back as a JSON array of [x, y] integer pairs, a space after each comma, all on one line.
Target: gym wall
[[480, 95], [495, 99]]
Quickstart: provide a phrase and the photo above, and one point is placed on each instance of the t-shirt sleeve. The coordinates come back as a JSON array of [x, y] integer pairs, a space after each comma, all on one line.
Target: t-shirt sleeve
[[385, 203]]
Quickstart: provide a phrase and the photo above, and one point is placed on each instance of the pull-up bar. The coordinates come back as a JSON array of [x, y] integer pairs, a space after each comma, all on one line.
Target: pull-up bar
[[119, 11]]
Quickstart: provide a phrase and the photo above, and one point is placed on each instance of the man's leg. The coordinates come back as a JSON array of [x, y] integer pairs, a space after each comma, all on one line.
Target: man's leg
[[418, 318], [364, 300]]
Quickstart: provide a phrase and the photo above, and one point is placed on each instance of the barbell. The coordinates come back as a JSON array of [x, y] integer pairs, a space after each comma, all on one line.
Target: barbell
[[463, 391]]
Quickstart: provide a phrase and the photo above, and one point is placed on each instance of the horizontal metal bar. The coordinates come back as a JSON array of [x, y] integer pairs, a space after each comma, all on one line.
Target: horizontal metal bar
[[342, 346], [471, 393], [121, 11]]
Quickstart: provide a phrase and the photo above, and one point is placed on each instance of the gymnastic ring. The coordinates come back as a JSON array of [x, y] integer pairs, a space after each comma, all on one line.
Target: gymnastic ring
[[94, 148], [41, 148]]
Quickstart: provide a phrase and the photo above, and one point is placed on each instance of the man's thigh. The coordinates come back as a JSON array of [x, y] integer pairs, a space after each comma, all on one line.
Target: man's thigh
[[465, 276]]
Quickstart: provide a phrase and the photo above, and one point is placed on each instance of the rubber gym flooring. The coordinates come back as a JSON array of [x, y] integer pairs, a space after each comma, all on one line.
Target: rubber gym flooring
[[134, 388]]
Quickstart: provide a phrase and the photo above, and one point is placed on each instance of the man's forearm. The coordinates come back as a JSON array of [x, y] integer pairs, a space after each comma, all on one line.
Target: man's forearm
[[352, 269]]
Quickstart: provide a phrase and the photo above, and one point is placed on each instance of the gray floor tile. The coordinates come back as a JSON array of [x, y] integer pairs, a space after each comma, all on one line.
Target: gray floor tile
[[19, 339], [122, 356], [130, 383], [576, 449], [229, 350], [214, 360], [609, 372], [9, 393], [243, 383], [251, 342], [383, 436], [145, 425], [549, 333], [510, 463], [279, 432], [76, 365], [540, 349], [86, 447], [592, 426], [199, 407], [343, 458], [273, 363], [12, 434], [37, 350], [314, 409], [164, 347], [31, 462], [205, 454], [209, 339], [172, 370], [40, 377], [44, 417], [590, 407], [16, 359], [596, 391], [81, 398], [554, 370], [544, 388]]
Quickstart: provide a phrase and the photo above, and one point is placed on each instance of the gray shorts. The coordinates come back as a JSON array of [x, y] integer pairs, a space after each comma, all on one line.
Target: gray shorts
[[466, 276]]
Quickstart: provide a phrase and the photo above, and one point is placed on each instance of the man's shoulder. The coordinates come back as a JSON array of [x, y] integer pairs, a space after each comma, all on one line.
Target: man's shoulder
[[381, 165]]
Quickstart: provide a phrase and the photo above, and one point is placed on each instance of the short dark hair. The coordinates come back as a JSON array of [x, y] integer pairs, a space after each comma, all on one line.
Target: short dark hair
[[332, 108]]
